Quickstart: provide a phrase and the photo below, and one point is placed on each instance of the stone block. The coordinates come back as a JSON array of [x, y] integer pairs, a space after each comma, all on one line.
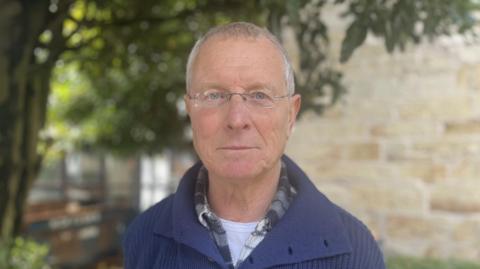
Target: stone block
[[419, 226], [426, 151], [361, 151], [337, 111], [397, 151], [324, 170], [466, 252], [467, 231], [333, 151], [381, 195], [410, 248], [463, 127], [316, 151], [447, 149], [448, 107], [468, 76], [437, 249], [368, 109], [398, 129], [389, 198], [425, 170], [345, 129], [427, 86], [461, 196], [464, 170]]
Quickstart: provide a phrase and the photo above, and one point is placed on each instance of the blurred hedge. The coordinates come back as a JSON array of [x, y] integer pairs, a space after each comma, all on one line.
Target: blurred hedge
[[21, 253], [428, 263]]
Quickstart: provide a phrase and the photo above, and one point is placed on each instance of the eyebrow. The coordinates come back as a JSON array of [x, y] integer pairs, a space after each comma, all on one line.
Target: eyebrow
[[204, 85], [249, 87]]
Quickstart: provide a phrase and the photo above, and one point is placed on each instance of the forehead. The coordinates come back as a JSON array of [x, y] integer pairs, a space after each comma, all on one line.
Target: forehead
[[238, 61]]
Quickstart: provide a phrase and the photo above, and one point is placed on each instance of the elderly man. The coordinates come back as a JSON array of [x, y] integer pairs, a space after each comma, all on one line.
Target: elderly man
[[245, 204]]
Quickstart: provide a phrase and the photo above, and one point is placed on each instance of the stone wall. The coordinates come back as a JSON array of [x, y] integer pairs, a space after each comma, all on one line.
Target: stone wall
[[402, 149]]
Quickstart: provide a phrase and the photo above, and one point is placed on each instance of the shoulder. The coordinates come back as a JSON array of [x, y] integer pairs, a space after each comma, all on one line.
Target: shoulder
[[146, 221], [365, 249], [140, 241]]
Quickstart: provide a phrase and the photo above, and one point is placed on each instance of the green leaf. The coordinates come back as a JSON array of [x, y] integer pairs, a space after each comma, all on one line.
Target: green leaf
[[355, 36]]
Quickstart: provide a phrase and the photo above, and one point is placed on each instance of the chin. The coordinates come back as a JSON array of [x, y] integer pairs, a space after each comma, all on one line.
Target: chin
[[239, 169]]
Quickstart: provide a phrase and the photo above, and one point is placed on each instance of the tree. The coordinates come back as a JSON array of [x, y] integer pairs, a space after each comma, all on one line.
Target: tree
[[131, 55], [24, 85]]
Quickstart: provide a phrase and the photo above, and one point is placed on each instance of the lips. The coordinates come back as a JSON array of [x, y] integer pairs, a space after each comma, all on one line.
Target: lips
[[235, 147]]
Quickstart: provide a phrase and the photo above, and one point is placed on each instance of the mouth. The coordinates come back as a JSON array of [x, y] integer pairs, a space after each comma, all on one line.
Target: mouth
[[236, 148]]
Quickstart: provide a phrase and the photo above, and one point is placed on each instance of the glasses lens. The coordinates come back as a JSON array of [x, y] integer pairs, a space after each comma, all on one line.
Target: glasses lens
[[212, 98], [215, 98], [260, 99]]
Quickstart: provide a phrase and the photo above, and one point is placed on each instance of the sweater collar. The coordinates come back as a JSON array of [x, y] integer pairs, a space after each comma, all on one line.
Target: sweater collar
[[310, 229]]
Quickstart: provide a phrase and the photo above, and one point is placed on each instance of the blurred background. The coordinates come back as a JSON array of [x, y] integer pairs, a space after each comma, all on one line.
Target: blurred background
[[93, 129]]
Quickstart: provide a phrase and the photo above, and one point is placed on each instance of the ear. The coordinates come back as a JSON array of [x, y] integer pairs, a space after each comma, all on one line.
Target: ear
[[295, 103], [187, 102]]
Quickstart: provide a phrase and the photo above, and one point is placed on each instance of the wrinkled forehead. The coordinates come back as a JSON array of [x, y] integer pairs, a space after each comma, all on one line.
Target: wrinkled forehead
[[237, 59], [239, 46]]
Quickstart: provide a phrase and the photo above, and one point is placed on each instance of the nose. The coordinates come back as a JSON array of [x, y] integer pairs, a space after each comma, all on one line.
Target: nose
[[238, 116]]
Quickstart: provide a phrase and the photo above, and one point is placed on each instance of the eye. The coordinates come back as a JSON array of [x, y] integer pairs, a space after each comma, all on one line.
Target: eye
[[213, 96], [259, 96]]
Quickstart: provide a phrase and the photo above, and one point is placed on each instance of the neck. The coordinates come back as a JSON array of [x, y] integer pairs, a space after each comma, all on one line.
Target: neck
[[243, 201]]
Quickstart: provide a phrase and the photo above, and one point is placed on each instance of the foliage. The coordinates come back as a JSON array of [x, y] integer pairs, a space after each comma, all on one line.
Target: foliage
[[123, 91], [121, 85], [23, 253], [428, 263], [403, 21]]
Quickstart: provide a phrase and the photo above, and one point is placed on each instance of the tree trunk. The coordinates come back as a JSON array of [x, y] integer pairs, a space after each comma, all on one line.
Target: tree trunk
[[24, 89]]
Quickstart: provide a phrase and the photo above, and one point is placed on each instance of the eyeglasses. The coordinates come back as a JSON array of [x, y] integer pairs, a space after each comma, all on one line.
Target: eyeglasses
[[215, 98]]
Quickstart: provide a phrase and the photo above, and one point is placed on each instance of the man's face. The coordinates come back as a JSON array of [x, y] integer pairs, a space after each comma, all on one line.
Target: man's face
[[236, 141]]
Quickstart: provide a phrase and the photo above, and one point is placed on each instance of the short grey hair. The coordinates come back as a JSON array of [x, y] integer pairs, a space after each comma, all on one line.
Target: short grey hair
[[242, 29]]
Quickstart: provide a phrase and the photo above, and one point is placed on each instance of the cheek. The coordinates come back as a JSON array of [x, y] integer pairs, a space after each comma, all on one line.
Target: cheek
[[274, 132], [204, 131]]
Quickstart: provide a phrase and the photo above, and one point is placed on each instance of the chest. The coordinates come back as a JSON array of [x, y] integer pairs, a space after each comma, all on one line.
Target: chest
[[179, 256]]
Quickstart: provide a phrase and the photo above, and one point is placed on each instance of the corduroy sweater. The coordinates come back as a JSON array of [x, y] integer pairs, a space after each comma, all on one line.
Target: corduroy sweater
[[314, 233]]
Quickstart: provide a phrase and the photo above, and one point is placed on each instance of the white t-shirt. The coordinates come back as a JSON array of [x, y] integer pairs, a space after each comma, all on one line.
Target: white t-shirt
[[237, 235]]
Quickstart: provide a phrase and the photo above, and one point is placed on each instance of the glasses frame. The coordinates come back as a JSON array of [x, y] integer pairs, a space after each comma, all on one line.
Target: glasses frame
[[229, 95]]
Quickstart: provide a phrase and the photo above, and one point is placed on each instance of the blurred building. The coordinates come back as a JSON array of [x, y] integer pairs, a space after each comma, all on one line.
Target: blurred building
[[81, 204]]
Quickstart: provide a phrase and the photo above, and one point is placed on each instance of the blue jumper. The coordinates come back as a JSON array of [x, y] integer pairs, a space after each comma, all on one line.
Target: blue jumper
[[314, 233]]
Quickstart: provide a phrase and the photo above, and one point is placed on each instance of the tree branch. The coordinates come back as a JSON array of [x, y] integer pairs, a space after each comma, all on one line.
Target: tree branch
[[210, 6], [60, 15], [81, 45]]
